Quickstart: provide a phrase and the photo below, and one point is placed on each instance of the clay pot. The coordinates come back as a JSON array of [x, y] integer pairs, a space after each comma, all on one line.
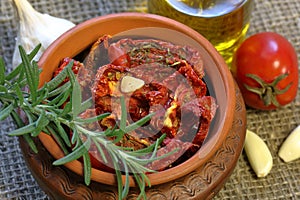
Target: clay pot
[[222, 85]]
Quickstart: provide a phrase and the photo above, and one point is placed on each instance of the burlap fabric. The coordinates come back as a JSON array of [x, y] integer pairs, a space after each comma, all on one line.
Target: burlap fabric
[[283, 182]]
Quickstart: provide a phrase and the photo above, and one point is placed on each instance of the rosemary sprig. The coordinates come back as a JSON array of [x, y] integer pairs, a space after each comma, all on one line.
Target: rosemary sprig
[[43, 111]]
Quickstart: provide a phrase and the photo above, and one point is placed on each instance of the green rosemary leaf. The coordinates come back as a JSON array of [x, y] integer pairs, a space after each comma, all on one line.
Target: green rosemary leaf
[[74, 155], [31, 143], [90, 133], [40, 124], [54, 132], [75, 136], [29, 114], [157, 143], [29, 72], [139, 166], [21, 79], [23, 130], [103, 156], [138, 123], [61, 98], [3, 89], [126, 184], [78, 143], [91, 119], [42, 95], [127, 149], [119, 134], [87, 168], [62, 133], [36, 73], [144, 161], [57, 80], [123, 114], [146, 180], [16, 71], [5, 97], [6, 111], [86, 104], [120, 184], [155, 157], [34, 51], [19, 93], [111, 132], [45, 130], [2, 71], [140, 180], [118, 176], [17, 119], [71, 76], [76, 97], [56, 91], [51, 111], [67, 109]]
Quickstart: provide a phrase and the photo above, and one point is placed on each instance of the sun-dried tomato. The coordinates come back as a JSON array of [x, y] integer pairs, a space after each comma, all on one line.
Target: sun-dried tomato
[[173, 89]]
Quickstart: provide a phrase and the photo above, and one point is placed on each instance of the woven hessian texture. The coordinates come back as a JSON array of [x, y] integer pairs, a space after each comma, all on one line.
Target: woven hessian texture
[[283, 182]]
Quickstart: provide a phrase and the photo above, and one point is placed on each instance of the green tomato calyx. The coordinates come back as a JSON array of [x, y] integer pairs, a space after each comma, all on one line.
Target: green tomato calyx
[[268, 91]]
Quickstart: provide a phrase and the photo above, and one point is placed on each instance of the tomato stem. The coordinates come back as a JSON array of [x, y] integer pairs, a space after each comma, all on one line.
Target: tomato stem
[[267, 91]]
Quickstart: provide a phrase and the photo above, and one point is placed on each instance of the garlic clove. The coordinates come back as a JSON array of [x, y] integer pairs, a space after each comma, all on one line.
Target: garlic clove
[[290, 149], [36, 28], [130, 84], [258, 154]]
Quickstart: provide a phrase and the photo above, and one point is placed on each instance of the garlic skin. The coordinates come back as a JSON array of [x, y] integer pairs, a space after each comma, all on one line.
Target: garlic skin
[[290, 148], [36, 28], [258, 154]]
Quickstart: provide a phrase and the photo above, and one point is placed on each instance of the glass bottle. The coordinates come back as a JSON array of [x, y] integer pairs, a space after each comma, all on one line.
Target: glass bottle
[[223, 22]]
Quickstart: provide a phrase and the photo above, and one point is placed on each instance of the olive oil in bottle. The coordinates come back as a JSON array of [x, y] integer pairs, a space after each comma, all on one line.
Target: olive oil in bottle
[[223, 22]]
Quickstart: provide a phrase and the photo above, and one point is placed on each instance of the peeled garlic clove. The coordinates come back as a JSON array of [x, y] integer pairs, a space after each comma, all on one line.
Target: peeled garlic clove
[[258, 154], [131, 84], [290, 149], [36, 28]]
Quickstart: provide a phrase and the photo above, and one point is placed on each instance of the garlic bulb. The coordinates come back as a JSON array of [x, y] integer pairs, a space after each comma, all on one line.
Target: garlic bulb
[[258, 154], [36, 28], [290, 149]]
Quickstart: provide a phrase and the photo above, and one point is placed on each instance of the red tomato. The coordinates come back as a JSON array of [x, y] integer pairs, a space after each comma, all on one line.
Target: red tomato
[[265, 67]]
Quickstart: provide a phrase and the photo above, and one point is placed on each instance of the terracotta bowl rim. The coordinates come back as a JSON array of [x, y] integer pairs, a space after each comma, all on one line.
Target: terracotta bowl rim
[[177, 171]]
